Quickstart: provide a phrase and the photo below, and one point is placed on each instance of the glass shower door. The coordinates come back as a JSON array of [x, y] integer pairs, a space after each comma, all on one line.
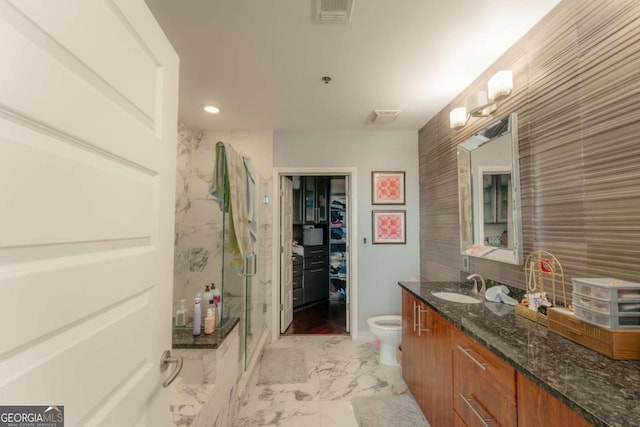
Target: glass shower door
[[244, 295]]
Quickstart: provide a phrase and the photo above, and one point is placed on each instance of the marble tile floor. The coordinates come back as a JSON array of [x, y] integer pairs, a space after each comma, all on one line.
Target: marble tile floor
[[339, 369]]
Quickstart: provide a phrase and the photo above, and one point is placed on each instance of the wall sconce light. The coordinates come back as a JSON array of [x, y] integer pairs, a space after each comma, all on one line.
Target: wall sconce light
[[482, 104]]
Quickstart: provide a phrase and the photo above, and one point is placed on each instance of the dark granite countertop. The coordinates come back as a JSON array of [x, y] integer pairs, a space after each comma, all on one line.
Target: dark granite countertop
[[604, 391], [183, 336]]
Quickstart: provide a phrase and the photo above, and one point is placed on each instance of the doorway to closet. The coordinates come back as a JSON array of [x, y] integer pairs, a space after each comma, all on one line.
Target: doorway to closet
[[317, 301]]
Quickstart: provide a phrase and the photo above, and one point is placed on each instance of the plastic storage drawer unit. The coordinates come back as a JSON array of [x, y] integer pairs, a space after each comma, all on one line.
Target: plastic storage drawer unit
[[624, 321], [607, 288], [615, 308]]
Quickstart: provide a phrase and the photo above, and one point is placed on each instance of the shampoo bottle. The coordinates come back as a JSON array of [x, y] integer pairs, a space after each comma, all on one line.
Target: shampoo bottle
[[197, 317], [217, 299], [209, 322], [206, 299]]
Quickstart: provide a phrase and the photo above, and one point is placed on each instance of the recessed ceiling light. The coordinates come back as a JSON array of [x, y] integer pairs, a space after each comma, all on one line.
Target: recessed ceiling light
[[211, 109]]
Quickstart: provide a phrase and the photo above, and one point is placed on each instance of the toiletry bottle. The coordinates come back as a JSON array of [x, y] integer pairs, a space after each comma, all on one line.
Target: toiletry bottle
[[206, 299], [197, 317], [209, 322], [217, 300], [181, 314]]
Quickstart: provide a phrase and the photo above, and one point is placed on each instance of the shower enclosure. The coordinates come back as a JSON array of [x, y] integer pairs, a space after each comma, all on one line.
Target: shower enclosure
[[244, 290]]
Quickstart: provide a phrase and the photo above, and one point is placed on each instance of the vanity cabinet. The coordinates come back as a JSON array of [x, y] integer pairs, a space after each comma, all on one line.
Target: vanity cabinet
[[459, 382], [484, 387], [531, 398], [426, 359]]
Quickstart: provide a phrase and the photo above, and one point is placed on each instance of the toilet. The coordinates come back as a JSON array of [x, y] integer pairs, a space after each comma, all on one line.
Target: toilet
[[388, 329]]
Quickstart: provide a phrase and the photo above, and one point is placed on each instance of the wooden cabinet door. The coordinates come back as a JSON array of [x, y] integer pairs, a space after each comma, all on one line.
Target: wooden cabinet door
[[535, 406], [437, 375], [411, 350]]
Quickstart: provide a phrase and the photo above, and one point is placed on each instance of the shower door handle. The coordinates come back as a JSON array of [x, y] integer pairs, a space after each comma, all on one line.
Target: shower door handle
[[245, 266]]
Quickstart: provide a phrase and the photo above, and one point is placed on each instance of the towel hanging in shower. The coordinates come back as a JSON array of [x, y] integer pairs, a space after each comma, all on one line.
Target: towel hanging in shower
[[229, 188]]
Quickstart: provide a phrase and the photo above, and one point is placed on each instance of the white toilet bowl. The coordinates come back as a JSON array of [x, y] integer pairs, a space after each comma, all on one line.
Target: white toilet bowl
[[388, 329]]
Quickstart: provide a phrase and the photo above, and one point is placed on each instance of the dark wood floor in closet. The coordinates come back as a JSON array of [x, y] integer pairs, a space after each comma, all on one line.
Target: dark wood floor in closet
[[328, 318]]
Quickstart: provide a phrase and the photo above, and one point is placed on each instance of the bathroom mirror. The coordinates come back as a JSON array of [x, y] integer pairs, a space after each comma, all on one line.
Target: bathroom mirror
[[489, 193]]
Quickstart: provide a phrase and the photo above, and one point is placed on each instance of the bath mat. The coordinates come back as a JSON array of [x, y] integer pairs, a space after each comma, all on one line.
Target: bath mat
[[383, 411], [283, 366]]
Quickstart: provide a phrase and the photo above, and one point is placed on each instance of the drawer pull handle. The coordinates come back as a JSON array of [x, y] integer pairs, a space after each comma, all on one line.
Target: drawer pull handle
[[467, 352], [414, 315], [484, 420], [317, 270], [573, 331], [420, 311], [316, 262]]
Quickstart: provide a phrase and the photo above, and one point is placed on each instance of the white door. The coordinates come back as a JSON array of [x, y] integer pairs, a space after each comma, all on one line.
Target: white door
[[88, 110], [286, 263]]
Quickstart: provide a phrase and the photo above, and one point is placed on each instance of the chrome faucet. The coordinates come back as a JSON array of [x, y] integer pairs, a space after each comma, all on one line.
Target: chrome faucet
[[474, 277]]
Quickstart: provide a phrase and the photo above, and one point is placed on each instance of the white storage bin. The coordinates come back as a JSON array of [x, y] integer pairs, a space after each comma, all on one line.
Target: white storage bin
[[607, 321], [312, 237], [607, 289], [621, 306]]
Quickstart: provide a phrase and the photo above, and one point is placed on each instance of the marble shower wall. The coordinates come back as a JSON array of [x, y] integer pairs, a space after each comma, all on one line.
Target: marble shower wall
[[198, 244]]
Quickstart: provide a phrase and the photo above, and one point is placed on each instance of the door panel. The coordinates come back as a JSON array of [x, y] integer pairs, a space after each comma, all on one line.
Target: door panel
[[286, 260], [88, 114]]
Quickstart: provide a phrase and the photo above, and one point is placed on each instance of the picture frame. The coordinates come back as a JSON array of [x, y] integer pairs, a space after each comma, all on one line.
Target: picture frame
[[387, 188], [389, 227]]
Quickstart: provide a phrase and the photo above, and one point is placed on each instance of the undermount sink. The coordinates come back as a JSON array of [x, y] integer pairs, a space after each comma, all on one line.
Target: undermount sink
[[455, 297]]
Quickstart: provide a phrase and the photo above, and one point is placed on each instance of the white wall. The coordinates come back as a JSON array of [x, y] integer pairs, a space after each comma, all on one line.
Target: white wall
[[380, 267]]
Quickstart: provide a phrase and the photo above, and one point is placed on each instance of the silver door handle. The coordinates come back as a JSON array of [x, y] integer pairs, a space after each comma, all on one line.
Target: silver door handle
[[414, 315], [484, 420], [165, 361], [420, 325], [255, 264], [467, 352], [245, 265]]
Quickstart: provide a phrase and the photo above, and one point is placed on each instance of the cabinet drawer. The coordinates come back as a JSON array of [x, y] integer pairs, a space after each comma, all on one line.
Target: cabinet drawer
[[297, 269], [482, 362], [316, 252], [297, 282], [314, 263], [316, 284], [482, 393]]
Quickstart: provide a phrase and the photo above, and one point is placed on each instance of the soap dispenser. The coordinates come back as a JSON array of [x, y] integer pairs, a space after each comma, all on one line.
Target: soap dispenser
[[206, 298]]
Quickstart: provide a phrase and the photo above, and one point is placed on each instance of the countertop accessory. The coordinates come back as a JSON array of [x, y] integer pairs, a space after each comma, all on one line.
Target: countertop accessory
[[623, 344], [541, 268]]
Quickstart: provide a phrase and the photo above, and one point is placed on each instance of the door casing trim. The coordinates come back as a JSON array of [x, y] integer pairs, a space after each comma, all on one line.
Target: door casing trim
[[352, 277]]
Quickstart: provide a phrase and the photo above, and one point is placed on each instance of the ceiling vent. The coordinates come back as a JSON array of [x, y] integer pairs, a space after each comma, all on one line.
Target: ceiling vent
[[385, 116], [333, 11]]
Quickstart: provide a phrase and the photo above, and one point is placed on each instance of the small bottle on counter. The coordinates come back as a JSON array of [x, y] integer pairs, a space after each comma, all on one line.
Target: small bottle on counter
[[209, 322], [197, 317], [216, 301], [207, 296], [181, 314]]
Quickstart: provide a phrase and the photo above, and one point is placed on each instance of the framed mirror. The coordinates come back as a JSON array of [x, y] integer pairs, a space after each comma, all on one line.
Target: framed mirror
[[489, 193]]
